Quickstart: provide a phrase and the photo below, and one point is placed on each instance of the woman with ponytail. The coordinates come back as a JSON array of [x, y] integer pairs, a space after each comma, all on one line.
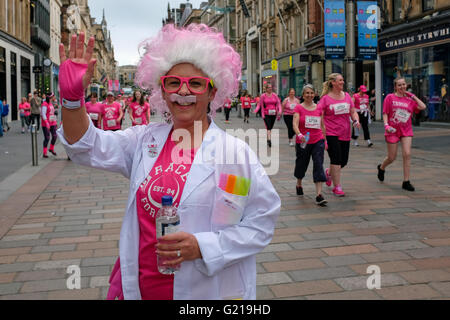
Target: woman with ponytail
[[338, 108]]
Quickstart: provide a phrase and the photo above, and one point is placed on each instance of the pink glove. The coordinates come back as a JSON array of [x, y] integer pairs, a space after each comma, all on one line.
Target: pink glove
[[409, 94], [278, 117], [71, 81], [300, 138], [46, 124], [389, 129]]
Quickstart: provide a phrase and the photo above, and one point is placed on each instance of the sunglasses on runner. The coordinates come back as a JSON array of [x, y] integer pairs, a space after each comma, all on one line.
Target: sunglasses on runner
[[197, 85]]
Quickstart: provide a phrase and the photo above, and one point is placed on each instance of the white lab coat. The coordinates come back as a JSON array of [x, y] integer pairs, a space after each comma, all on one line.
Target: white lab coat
[[230, 229]]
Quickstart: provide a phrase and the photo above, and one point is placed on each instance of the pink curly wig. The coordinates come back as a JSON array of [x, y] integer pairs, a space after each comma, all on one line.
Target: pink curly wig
[[197, 44]]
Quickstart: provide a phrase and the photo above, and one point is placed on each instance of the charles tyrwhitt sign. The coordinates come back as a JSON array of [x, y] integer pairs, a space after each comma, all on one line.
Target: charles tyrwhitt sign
[[423, 37]]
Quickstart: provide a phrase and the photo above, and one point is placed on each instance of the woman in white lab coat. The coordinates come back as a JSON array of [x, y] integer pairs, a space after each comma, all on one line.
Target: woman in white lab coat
[[226, 203]]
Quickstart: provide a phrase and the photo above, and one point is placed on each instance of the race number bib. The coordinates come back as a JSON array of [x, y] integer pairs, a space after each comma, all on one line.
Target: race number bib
[[292, 106], [363, 107], [138, 120], [111, 123], [272, 112], [341, 108], [402, 115], [94, 116], [312, 122], [52, 118]]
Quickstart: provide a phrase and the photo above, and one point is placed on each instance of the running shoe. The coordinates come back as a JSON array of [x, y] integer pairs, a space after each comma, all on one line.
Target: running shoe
[[327, 173], [380, 173], [338, 191], [53, 152], [408, 186], [355, 143], [299, 190], [321, 201], [369, 143], [291, 144], [45, 156], [269, 143]]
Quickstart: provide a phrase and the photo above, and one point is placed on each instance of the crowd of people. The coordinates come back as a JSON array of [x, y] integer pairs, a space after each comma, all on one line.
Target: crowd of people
[[330, 121]]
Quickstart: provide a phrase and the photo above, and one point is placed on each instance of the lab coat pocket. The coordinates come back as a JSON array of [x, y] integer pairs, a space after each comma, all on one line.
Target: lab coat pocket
[[232, 283], [228, 209]]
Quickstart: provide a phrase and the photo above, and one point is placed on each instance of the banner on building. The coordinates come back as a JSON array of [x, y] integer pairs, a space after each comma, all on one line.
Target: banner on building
[[334, 18], [367, 13], [110, 85], [116, 85]]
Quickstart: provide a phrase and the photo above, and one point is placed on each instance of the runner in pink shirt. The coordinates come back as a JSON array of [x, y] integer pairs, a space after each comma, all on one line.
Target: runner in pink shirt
[[139, 110], [227, 109], [25, 112], [246, 102], [338, 108], [362, 106], [94, 110], [288, 110], [49, 124], [270, 106], [398, 108], [308, 121], [111, 114]]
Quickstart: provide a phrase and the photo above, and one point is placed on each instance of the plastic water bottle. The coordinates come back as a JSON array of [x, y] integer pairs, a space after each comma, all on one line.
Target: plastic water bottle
[[167, 222], [304, 144]]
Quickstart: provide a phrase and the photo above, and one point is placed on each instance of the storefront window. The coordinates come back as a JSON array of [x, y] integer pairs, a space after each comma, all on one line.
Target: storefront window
[[284, 84], [427, 5], [25, 77], [427, 73], [397, 9], [299, 82], [2, 72]]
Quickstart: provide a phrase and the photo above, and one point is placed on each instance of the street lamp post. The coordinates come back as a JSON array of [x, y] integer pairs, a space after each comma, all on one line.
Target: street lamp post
[[351, 60]]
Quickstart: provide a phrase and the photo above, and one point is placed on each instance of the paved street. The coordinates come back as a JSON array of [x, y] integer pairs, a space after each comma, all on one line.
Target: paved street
[[70, 215]]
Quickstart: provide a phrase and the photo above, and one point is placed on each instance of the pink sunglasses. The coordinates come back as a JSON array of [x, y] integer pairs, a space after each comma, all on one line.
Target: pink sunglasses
[[197, 85]]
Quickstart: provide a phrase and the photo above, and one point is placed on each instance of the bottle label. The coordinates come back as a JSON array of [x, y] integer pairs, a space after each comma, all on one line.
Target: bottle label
[[168, 228]]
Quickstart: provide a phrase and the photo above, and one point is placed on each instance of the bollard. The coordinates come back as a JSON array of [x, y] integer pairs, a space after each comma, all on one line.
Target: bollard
[[34, 147]]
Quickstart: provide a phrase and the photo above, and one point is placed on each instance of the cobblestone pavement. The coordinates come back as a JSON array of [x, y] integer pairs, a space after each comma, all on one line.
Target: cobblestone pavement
[[71, 215]]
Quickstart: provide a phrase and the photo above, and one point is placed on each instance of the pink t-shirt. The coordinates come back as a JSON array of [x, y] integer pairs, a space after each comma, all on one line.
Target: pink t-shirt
[[139, 113], [246, 103], [337, 116], [399, 111], [167, 177], [361, 102], [94, 111], [271, 105], [110, 114], [25, 109], [227, 104], [290, 105], [310, 121], [49, 113]]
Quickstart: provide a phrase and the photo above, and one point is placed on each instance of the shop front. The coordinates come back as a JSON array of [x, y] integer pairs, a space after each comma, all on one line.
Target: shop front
[[422, 57], [269, 76]]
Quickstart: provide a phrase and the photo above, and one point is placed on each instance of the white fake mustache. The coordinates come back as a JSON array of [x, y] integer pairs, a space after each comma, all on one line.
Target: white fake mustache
[[182, 100]]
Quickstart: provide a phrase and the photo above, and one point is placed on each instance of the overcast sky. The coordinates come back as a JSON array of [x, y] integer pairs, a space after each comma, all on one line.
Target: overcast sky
[[132, 21]]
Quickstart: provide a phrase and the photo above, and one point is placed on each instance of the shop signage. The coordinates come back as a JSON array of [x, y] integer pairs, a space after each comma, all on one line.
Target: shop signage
[[424, 36], [274, 64], [335, 40], [367, 13], [37, 69]]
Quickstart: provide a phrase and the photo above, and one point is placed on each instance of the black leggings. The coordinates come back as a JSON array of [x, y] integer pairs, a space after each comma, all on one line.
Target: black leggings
[[247, 112], [364, 120], [314, 151], [36, 119], [47, 133], [269, 121], [288, 119], [338, 151], [227, 113]]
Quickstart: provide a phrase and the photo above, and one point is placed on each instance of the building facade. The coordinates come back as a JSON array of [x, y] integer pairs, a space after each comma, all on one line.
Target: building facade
[[127, 75], [415, 44], [16, 54], [272, 40]]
